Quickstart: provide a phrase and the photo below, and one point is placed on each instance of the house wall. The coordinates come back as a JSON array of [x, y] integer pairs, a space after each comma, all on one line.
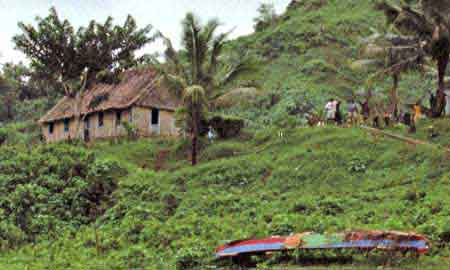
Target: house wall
[[58, 131], [140, 117]]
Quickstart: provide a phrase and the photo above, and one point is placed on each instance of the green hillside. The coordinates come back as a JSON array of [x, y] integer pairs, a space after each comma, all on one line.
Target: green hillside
[[328, 179], [309, 55], [140, 205]]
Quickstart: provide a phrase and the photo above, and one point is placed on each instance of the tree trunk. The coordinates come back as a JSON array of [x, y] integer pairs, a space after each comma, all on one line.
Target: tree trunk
[[78, 115], [9, 113], [194, 140], [394, 96], [439, 106]]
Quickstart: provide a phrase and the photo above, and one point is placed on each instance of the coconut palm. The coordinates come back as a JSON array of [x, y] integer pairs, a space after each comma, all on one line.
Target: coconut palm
[[195, 107], [199, 70], [200, 61], [428, 22]]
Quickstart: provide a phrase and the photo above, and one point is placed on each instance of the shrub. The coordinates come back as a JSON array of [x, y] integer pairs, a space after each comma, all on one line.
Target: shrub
[[226, 126], [222, 150], [131, 130], [19, 133], [53, 185]]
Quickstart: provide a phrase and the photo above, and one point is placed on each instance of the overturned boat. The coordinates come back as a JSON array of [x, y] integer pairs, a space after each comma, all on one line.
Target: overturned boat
[[358, 240]]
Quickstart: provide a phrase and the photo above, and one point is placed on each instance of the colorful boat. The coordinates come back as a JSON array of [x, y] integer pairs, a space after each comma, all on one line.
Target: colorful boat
[[360, 240]]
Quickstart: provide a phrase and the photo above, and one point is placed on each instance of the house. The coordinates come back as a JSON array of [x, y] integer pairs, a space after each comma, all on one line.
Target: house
[[139, 99]]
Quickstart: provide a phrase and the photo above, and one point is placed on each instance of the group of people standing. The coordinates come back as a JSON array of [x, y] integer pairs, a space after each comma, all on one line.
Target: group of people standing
[[334, 115], [377, 116]]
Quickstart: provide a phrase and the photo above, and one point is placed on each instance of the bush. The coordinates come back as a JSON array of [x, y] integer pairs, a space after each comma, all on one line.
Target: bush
[[53, 185], [131, 130], [222, 150], [19, 133], [226, 126]]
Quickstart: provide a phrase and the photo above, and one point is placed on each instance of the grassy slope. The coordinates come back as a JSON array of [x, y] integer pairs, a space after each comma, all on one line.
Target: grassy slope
[[308, 55], [314, 179]]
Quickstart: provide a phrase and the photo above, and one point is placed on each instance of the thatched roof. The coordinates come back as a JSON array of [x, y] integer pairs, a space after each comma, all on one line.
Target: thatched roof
[[140, 88]]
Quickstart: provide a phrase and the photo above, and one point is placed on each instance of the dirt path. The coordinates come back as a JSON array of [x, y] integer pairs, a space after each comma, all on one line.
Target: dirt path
[[404, 138]]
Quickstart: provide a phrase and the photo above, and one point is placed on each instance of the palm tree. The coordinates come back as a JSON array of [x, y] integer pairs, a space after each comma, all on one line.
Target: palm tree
[[201, 61], [195, 107], [429, 23], [199, 70]]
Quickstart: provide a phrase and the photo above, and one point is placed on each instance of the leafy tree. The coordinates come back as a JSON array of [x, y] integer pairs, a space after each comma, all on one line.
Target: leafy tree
[[20, 85], [397, 58], [7, 100], [428, 22], [60, 53], [201, 60], [267, 16], [195, 108]]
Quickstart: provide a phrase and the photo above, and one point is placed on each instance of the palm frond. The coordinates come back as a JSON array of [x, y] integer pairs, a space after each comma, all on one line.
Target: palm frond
[[194, 95], [242, 63], [172, 56], [204, 46], [208, 31], [177, 84], [191, 43], [217, 46]]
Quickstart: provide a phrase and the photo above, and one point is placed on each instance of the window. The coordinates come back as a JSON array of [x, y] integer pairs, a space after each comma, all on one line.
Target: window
[[51, 127], [118, 118], [87, 123], [155, 117], [100, 119], [66, 125]]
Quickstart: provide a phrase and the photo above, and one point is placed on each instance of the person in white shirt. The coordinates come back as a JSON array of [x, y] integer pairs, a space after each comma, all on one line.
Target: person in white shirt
[[330, 110], [447, 102], [211, 135]]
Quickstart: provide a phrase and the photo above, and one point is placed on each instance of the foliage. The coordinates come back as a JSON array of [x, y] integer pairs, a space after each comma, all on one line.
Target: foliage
[[50, 188], [195, 109], [428, 27], [19, 133], [24, 96], [310, 179], [267, 16], [177, 217], [131, 130], [201, 60], [226, 126], [58, 52]]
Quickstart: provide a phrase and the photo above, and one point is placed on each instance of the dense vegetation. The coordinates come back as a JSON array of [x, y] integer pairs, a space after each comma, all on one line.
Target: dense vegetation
[[327, 179], [139, 205]]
